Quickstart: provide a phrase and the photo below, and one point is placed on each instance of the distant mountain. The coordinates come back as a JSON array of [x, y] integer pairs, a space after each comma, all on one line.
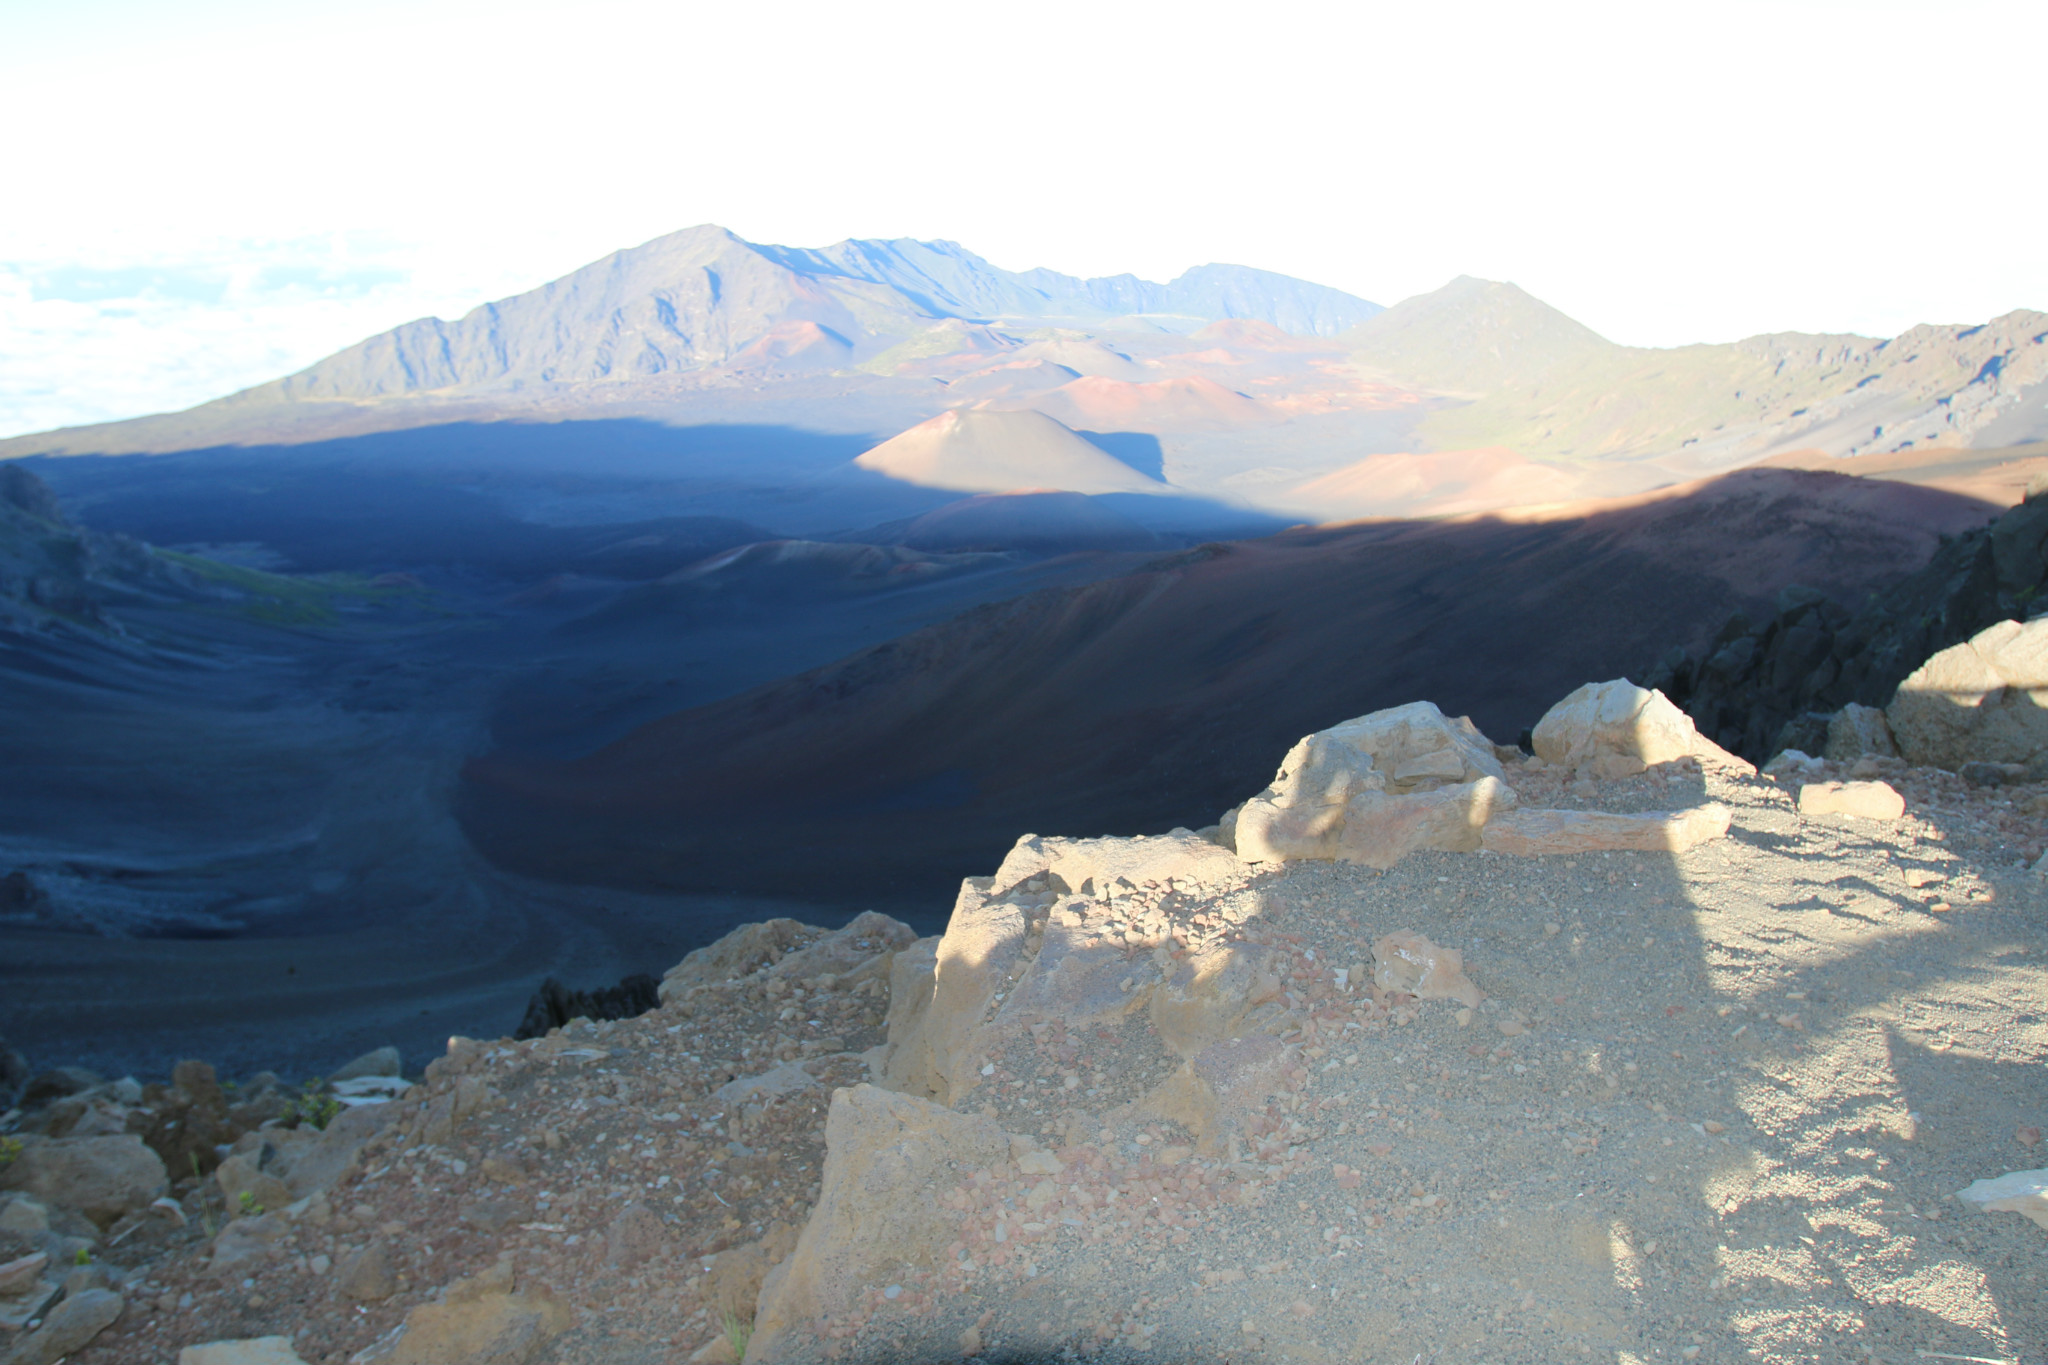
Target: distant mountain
[[704, 297], [718, 377], [1525, 377]]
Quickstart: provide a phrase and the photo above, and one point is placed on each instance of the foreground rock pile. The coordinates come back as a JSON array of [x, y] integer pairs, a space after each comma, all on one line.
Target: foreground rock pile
[[1695, 1070]]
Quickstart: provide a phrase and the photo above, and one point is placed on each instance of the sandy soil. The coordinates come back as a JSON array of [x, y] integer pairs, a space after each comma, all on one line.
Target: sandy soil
[[1714, 1107]]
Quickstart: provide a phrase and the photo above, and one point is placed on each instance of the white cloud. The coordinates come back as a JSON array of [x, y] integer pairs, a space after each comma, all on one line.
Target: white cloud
[[1666, 173]]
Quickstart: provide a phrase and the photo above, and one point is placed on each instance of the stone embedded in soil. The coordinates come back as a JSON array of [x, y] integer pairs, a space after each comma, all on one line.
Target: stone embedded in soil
[[1864, 800], [1533, 832], [249, 1351]]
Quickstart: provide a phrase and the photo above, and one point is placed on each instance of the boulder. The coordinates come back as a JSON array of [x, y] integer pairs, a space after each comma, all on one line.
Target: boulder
[[68, 1327], [1984, 700], [1375, 789], [1859, 731], [1864, 800], [100, 1177], [2021, 1192], [1616, 728], [887, 1156], [248, 1351], [1532, 832]]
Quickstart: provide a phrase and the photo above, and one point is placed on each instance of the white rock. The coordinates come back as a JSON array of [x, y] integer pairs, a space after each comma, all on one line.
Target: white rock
[[2021, 1192]]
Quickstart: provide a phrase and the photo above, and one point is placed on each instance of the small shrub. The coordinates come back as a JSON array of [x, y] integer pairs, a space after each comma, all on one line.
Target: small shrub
[[311, 1107], [10, 1151], [737, 1334], [249, 1207]]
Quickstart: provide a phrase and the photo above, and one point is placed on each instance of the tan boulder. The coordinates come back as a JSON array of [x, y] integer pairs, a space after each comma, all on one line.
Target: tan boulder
[[1616, 729], [1531, 832], [100, 1177], [887, 1158], [1985, 700], [1865, 800]]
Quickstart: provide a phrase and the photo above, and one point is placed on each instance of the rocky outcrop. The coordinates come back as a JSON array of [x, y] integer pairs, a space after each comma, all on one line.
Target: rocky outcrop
[[1763, 686]]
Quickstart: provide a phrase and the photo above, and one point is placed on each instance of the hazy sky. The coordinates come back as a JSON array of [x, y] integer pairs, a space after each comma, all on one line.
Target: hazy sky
[[206, 194]]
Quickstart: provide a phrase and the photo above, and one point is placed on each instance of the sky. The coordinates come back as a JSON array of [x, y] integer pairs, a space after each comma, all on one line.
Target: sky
[[203, 196]]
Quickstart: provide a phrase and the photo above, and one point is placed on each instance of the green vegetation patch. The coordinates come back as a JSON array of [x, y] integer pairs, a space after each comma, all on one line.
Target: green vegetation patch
[[286, 599]]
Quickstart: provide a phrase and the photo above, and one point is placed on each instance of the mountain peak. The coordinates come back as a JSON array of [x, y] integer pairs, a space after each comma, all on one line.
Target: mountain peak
[[703, 297]]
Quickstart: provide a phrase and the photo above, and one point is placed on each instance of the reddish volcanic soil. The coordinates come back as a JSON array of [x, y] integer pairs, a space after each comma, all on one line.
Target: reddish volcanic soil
[[1160, 698]]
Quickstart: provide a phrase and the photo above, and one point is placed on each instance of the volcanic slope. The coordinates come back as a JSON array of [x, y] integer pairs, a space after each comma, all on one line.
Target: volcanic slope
[[1159, 697]]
